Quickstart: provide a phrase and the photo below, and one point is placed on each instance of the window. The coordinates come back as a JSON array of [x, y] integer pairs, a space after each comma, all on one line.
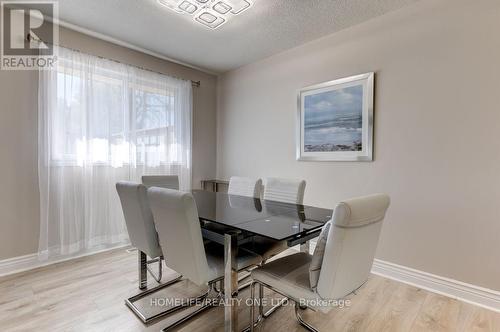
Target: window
[[111, 117], [101, 122]]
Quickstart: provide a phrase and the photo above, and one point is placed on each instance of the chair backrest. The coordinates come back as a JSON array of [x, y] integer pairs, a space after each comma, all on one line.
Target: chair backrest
[[179, 230], [351, 244], [284, 190], [245, 186], [138, 218], [162, 181]]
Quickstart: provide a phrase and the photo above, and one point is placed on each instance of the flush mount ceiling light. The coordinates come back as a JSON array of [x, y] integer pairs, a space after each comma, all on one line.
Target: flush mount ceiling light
[[210, 13]]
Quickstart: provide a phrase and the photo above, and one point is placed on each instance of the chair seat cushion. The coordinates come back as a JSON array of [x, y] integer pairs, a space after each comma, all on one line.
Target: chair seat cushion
[[215, 259], [288, 275], [265, 247]]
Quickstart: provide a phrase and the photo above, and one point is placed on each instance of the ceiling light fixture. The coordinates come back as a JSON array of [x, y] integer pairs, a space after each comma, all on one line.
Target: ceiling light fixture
[[210, 13]]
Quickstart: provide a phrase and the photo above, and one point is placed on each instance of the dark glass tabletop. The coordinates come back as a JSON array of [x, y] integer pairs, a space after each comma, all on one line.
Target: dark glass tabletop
[[274, 220]]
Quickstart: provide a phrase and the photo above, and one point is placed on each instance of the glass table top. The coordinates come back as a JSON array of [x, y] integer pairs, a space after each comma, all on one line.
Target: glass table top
[[275, 220]]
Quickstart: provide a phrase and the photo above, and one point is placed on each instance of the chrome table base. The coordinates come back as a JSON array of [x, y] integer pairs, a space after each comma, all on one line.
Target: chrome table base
[[230, 281]]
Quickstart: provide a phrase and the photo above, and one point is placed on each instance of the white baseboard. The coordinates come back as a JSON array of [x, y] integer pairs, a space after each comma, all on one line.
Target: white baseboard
[[486, 298], [18, 264], [29, 262]]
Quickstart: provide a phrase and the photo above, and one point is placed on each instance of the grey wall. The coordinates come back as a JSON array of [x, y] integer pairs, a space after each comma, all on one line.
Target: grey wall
[[437, 130], [19, 199]]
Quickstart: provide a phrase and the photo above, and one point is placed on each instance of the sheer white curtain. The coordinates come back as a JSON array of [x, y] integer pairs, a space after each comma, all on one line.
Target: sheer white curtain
[[101, 122]]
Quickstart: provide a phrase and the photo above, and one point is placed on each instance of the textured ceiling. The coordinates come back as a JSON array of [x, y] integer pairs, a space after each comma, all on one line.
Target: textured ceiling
[[270, 26]]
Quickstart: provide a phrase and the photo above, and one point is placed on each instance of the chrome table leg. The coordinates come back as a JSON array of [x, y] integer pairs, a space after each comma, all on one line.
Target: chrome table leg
[[230, 282]]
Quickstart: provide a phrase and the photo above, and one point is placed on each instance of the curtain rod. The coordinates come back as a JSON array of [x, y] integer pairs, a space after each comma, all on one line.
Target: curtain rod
[[30, 37]]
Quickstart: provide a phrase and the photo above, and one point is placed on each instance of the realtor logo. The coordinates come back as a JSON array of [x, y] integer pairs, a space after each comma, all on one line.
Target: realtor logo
[[28, 35]]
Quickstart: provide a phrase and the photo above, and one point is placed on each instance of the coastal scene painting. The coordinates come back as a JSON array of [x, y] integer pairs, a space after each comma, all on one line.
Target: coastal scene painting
[[335, 120]]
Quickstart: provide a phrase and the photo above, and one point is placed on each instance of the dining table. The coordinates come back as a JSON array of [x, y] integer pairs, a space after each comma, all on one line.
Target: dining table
[[242, 219]]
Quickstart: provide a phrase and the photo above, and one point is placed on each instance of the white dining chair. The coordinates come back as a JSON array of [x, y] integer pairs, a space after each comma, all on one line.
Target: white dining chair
[[162, 181], [341, 262], [243, 186], [278, 190], [284, 190], [143, 236], [176, 219]]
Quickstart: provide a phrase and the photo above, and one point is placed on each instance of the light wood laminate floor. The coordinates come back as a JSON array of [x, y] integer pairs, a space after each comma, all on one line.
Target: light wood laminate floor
[[87, 294]]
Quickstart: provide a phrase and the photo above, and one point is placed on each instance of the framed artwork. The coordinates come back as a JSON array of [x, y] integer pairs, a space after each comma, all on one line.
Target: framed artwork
[[335, 120]]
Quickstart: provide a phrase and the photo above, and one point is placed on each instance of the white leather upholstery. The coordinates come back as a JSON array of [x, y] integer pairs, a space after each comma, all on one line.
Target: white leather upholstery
[[348, 257], [179, 230], [176, 219], [351, 245], [138, 218], [284, 190], [162, 181], [245, 187]]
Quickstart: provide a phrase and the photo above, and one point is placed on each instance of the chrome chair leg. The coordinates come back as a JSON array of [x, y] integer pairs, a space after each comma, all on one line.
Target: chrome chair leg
[[253, 323], [220, 286], [275, 307], [261, 300], [302, 321], [146, 320], [143, 269], [252, 306], [211, 299], [244, 286], [262, 316], [241, 277], [157, 277], [143, 282]]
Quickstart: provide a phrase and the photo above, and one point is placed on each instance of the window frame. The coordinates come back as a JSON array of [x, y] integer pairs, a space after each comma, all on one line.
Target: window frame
[[128, 88]]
